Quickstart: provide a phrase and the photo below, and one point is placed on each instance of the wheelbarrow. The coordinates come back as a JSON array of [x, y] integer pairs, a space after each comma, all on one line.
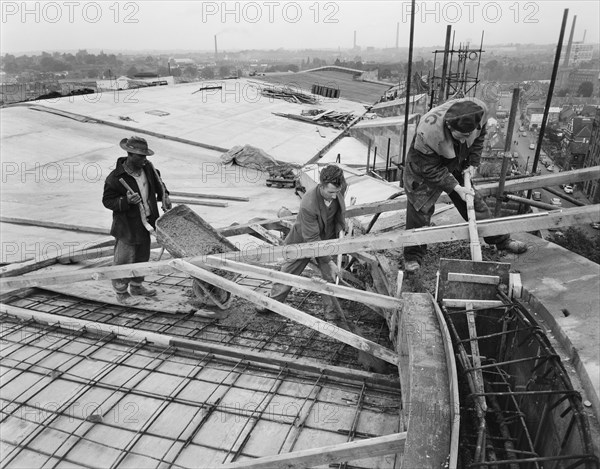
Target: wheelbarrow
[[183, 233]]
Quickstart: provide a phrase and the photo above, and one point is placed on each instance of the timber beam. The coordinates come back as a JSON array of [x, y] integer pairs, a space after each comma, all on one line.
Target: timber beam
[[373, 242], [399, 203]]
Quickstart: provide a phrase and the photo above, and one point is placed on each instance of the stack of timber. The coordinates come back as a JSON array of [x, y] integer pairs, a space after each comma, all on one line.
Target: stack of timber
[[288, 94]]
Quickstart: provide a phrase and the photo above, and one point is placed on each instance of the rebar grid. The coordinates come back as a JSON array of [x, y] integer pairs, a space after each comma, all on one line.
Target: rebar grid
[[515, 439], [42, 342], [289, 340]]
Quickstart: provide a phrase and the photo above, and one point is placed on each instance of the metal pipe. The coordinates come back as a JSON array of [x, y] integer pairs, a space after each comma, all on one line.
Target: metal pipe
[[533, 203], [507, 150], [549, 96], [564, 196], [387, 159], [478, 65], [408, 79], [444, 65]]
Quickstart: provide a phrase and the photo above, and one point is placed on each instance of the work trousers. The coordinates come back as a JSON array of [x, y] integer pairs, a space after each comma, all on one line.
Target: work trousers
[[280, 292], [418, 219], [129, 254]]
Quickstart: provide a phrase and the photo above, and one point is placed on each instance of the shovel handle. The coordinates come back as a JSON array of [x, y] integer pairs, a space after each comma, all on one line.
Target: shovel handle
[[147, 225], [339, 261], [473, 235]]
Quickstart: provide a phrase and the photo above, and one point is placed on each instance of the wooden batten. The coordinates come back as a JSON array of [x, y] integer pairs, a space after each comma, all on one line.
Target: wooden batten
[[372, 447], [284, 310]]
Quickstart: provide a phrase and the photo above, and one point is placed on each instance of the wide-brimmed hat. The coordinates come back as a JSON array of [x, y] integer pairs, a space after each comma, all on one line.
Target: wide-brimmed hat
[[136, 145], [464, 116]]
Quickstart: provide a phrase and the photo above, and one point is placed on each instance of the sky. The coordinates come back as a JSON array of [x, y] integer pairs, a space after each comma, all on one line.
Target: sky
[[240, 25]]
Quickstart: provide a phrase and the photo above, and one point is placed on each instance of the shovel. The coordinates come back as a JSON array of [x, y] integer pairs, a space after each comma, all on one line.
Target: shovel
[[140, 206], [368, 361]]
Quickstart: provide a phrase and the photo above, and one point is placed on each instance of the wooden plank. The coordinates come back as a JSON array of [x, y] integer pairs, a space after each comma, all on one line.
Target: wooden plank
[[327, 455], [73, 255], [104, 273], [462, 303], [284, 310], [534, 182], [319, 286], [473, 278], [379, 241], [167, 300], [426, 397], [453, 385], [264, 234], [208, 203], [131, 335], [55, 225], [427, 235], [209, 196], [481, 405], [473, 235], [469, 290], [515, 286], [400, 202]]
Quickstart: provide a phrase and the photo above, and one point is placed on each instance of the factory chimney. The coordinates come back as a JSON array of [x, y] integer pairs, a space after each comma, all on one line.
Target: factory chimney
[[216, 50], [570, 43]]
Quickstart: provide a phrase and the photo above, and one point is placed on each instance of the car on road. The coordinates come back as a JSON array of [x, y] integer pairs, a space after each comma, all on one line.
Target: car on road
[[568, 189], [537, 196], [532, 146], [524, 134], [550, 168], [555, 201], [595, 225], [521, 129]]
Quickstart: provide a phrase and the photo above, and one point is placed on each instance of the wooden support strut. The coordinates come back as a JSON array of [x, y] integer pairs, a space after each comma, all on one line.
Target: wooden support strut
[[318, 286], [361, 449], [284, 310], [428, 235], [474, 237]]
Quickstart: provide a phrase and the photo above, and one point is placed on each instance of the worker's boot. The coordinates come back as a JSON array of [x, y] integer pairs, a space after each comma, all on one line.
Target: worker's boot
[[127, 300], [513, 246], [141, 290]]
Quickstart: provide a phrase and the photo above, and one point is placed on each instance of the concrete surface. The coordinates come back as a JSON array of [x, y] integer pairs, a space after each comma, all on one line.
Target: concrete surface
[[563, 289]]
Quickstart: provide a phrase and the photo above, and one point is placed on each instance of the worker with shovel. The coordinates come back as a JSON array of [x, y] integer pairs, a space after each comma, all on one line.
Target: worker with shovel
[[131, 191], [322, 215], [448, 142]]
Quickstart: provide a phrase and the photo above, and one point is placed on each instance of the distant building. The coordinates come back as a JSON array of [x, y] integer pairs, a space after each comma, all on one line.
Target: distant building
[[592, 158], [577, 77], [580, 52], [124, 83], [589, 110], [535, 120], [534, 108], [181, 63], [579, 133]]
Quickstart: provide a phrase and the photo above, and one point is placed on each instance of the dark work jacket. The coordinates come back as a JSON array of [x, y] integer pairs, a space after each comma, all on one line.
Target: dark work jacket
[[435, 161], [127, 221], [311, 222]]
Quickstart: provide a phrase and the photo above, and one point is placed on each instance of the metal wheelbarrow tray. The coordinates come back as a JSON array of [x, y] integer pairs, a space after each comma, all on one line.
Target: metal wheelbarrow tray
[[183, 233]]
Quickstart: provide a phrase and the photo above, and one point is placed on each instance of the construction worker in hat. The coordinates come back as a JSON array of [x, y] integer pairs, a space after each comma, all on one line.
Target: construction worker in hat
[[131, 191], [448, 142]]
